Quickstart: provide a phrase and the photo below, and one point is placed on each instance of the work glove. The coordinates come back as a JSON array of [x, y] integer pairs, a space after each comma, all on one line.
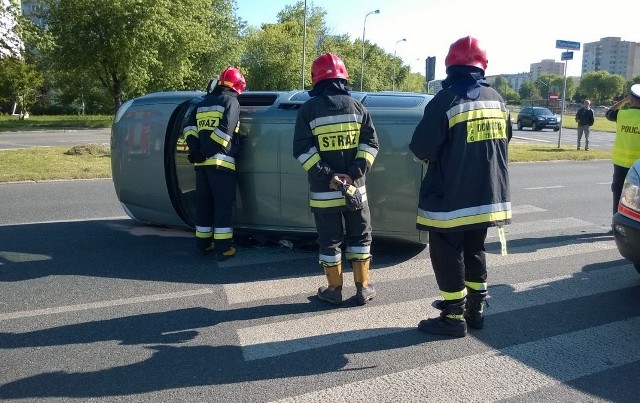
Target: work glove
[[352, 197], [196, 157], [336, 183]]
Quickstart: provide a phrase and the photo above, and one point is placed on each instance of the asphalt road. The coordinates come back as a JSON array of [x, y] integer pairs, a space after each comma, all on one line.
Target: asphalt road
[[599, 140], [97, 307]]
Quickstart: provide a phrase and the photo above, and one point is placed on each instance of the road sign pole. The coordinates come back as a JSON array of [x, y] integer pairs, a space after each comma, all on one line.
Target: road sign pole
[[564, 97], [566, 56]]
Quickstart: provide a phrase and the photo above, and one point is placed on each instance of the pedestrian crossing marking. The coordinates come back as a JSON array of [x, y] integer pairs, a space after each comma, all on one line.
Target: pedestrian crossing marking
[[238, 293], [526, 209], [345, 325], [498, 374]]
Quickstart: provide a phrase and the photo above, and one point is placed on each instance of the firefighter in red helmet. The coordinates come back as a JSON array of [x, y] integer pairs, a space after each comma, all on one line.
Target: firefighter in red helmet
[[335, 141], [463, 138], [214, 142]]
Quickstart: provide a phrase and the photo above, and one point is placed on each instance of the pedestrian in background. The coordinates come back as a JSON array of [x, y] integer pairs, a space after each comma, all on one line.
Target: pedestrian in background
[[585, 119], [463, 138], [335, 141], [626, 145], [212, 137]]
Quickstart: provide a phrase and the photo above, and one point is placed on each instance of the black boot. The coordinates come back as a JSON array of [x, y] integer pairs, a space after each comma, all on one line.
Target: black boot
[[474, 309], [450, 322], [204, 246]]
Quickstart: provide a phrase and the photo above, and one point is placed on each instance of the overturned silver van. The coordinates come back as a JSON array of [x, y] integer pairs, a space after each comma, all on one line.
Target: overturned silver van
[[156, 184]]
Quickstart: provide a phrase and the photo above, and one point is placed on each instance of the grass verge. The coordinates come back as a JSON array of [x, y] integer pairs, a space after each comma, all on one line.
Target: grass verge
[[13, 124], [93, 161], [89, 161], [535, 152]]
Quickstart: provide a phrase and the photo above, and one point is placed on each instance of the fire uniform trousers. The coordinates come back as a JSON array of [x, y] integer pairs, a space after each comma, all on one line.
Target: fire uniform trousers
[[626, 147], [334, 134], [212, 132], [466, 187]]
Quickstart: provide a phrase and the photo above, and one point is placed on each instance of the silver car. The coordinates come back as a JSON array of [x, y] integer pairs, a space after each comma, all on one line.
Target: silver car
[[156, 184]]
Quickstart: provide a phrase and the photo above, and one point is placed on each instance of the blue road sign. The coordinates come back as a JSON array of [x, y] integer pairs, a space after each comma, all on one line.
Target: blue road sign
[[567, 45], [566, 56]]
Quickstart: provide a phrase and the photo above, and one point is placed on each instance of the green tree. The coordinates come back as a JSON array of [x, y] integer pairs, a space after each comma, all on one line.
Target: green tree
[[413, 82], [19, 83], [10, 43], [548, 83], [634, 80], [273, 56], [529, 91], [134, 47], [601, 86]]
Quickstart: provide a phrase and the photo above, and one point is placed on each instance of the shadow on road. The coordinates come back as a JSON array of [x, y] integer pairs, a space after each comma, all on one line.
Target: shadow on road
[[126, 249]]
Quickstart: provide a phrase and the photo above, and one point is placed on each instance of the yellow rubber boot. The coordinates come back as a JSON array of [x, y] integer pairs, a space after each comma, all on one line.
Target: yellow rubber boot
[[333, 293], [364, 291]]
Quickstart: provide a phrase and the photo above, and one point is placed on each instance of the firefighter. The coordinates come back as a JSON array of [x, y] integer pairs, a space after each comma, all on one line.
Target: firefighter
[[626, 146], [335, 141], [463, 138], [212, 137]]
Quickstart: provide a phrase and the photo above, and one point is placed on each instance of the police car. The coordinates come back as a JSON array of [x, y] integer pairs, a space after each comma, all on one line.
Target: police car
[[626, 222]]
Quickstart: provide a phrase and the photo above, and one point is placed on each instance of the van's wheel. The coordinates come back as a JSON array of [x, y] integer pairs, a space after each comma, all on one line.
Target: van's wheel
[[519, 125], [534, 126]]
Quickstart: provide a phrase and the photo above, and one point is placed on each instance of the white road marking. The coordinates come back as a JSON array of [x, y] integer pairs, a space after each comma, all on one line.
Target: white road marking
[[69, 220], [545, 187], [239, 293], [104, 304], [345, 325], [500, 374]]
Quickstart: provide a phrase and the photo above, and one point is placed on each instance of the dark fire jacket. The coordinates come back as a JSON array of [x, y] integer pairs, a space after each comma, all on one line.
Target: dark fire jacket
[[465, 144], [334, 134]]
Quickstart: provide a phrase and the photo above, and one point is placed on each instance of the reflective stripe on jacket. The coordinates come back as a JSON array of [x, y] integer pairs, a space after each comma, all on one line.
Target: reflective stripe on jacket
[[212, 127], [465, 144], [334, 134]]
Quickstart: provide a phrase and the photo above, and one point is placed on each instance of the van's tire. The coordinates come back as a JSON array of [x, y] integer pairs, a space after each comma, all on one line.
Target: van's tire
[[519, 125]]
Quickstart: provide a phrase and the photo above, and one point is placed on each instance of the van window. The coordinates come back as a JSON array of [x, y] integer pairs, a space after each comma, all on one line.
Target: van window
[[395, 101], [257, 99]]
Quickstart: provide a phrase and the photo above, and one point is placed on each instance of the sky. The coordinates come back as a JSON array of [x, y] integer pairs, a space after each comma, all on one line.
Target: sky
[[514, 33]]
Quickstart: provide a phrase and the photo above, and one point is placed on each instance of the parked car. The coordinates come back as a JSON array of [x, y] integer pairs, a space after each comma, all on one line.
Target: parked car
[[156, 184], [537, 118], [626, 222]]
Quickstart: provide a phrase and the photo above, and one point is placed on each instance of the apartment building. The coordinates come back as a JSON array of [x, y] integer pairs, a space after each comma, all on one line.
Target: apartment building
[[614, 55], [30, 8], [546, 66]]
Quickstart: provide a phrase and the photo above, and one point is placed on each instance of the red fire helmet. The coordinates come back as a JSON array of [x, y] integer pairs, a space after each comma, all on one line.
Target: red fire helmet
[[232, 77], [467, 52], [327, 66]]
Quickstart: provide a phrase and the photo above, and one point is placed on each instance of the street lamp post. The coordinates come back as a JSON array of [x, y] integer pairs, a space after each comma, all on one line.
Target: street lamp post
[[364, 27], [394, 60], [304, 45], [547, 86]]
